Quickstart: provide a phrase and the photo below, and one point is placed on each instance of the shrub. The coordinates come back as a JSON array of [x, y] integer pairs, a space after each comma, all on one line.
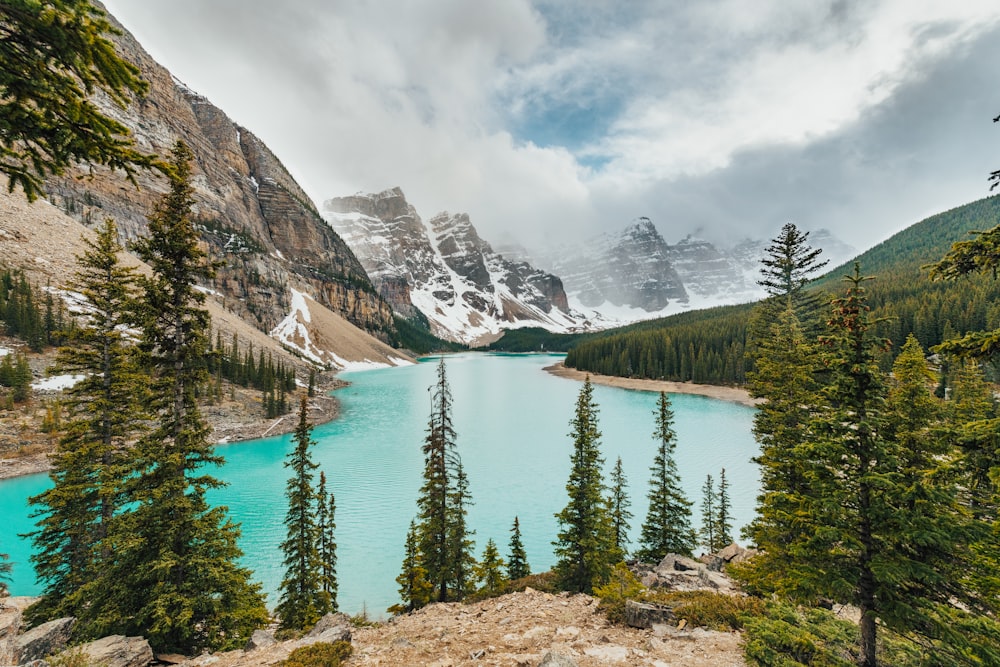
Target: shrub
[[708, 609], [320, 654], [543, 581], [621, 586]]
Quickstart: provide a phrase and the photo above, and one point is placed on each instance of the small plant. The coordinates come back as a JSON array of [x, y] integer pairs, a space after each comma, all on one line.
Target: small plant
[[542, 581], [320, 654], [620, 587], [708, 609], [73, 657]]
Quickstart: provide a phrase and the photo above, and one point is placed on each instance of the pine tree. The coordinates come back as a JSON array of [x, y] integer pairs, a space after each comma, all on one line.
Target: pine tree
[[585, 547], [723, 515], [460, 544], [299, 606], [517, 558], [789, 264], [709, 524], [54, 57], [104, 417], [667, 528], [414, 589], [445, 543], [489, 571], [326, 525], [973, 416], [5, 570], [174, 578], [618, 504]]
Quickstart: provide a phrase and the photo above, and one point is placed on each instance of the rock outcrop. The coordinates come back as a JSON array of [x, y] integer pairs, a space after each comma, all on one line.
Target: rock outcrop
[[117, 651], [252, 214], [42, 640]]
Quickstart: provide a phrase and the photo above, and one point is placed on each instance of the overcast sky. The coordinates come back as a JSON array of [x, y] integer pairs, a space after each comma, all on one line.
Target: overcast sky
[[724, 118]]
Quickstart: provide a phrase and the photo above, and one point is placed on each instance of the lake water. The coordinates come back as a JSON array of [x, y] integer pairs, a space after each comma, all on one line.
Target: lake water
[[512, 420]]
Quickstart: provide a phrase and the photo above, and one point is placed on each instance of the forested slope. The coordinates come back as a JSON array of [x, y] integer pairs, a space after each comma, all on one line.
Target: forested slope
[[708, 346]]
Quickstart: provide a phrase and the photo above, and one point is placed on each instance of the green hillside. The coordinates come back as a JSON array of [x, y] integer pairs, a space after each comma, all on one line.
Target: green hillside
[[707, 346]]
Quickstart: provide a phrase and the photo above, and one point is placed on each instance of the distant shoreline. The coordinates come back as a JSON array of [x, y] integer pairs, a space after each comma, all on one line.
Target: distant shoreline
[[723, 393]]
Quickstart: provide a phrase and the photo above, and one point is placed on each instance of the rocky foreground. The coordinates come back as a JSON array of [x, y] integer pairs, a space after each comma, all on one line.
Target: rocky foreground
[[526, 629]]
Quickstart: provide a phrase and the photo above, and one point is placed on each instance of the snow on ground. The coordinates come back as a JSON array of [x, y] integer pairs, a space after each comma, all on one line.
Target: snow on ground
[[56, 382], [4, 351], [292, 331]]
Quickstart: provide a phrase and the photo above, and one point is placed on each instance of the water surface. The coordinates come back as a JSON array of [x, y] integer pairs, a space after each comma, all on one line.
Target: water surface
[[512, 420]]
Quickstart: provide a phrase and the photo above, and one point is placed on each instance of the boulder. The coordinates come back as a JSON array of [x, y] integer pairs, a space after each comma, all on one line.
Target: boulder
[[645, 614], [713, 562], [553, 659], [330, 621], [260, 639], [118, 651], [43, 640], [676, 563]]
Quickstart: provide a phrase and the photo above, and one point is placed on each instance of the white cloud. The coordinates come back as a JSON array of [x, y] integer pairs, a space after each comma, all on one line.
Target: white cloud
[[439, 96]]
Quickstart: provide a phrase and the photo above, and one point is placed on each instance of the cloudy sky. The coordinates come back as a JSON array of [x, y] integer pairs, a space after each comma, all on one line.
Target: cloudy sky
[[724, 118]]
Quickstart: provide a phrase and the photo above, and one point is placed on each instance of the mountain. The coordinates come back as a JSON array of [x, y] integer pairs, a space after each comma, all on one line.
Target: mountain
[[252, 214], [444, 271], [635, 274]]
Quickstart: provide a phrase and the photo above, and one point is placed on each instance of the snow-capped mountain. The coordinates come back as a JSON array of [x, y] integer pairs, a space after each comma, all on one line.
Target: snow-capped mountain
[[635, 274], [445, 270]]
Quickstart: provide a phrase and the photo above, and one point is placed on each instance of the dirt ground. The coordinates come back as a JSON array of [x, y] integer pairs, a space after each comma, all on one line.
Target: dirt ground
[[517, 630]]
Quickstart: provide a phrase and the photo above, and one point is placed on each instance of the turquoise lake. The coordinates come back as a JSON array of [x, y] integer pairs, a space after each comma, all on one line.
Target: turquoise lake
[[512, 420]]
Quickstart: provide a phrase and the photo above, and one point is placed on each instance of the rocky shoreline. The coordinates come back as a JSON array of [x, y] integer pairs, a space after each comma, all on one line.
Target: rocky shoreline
[[237, 419]]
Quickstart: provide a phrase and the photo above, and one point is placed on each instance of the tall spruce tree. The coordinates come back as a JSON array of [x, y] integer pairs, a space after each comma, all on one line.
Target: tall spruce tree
[[104, 416], [974, 425], [445, 544], [789, 264], [174, 578], [667, 528], [517, 558], [876, 525], [54, 57], [299, 606], [618, 507], [585, 546], [326, 525], [709, 526], [723, 513]]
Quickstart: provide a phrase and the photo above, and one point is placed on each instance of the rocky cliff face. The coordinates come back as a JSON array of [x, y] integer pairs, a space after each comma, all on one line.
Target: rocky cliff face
[[630, 269], [711, 273], [252, 214], [445, 270]]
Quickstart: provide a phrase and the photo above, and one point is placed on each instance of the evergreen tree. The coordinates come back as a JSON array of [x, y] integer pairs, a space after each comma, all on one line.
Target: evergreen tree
[[54, 57], [489, 571], [104, 417], [517, 558], [709, 523], [299, 606], [667, 528], [5, 570], [585, 547], [326, 525], [445, 543], [973, 416], [618, 504], [789, 264], [414, 589], [21, 379], [723, 515], [174, 578], [460, 544]]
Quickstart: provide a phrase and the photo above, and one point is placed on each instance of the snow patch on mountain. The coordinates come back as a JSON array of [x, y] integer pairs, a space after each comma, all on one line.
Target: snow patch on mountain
[[446, 271]]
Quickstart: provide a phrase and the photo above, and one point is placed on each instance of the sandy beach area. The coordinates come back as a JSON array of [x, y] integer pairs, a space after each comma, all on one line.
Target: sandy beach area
[[734, 394]]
